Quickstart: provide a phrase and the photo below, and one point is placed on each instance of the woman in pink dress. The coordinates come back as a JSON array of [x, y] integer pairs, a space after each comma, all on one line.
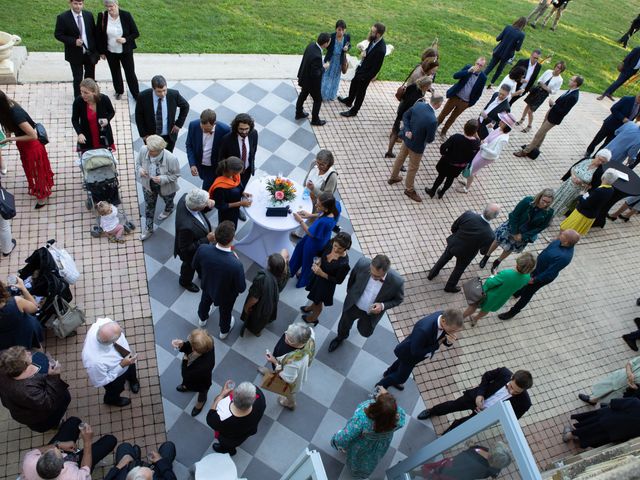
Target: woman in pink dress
[[490, 149]]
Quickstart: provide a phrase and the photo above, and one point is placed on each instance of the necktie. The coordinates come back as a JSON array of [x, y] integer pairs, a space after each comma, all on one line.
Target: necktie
[[80, 24], [370, 47], [159, 118], [244, 153]]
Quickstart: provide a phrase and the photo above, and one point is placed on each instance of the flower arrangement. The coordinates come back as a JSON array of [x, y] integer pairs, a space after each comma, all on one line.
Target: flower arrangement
[[281, 190]]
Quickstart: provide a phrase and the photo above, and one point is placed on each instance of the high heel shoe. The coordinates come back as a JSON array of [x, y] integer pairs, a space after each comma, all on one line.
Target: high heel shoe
[[526, 129], [496, 264]]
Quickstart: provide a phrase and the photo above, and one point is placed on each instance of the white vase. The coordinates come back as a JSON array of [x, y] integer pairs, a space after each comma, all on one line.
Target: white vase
[[7, 42]]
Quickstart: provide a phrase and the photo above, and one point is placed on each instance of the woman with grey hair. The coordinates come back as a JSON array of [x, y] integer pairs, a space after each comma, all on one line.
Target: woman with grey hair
[[291, 359], [530, 217], [475, 462], [590, 204], [116, 34], [158, 171], [235, 414], [192, 230], [579, 182]]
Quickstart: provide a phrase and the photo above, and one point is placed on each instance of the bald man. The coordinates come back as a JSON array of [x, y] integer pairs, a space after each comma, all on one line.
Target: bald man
[[551, 260], [109, 362]]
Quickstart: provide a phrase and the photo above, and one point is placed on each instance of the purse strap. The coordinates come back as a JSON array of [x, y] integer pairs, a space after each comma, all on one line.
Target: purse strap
[[408, 76]]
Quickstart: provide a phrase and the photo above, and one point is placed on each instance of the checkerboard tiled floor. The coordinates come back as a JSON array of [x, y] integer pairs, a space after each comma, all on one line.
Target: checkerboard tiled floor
[[337, 381]]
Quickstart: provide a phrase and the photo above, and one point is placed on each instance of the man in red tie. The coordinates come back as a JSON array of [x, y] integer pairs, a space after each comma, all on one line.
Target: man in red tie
[[241, 142], [76, 29]]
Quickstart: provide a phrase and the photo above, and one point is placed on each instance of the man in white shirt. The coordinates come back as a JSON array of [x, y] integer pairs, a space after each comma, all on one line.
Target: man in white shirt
[[532, 66], [204, 138], [498, 103], [109, 362], [373, 287], [498, 385]]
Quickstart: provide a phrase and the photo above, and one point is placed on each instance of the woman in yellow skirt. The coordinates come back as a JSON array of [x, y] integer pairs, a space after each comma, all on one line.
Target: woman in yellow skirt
[[590, 204]]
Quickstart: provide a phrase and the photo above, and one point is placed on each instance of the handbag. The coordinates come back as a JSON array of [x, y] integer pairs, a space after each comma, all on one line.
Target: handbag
[[66, 264], [466, 173], [473, 292], [43, 138], [403, 88], [7, 204], [272, 382], [345, 64], [67, 318]]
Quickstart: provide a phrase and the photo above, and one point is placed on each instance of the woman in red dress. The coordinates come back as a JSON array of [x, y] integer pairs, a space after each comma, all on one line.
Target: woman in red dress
[[20, 128], [91, 115]]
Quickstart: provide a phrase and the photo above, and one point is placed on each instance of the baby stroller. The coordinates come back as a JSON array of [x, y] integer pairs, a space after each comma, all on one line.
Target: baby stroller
[[43, 279], [100, 180]]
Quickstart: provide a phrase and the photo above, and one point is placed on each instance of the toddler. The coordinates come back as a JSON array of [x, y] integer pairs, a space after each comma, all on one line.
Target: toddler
[[109, 221]]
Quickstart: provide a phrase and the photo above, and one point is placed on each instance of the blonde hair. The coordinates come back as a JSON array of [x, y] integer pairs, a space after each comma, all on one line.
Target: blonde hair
[[201, 341], [104, 208], [156, 143], [90, 84], [526, 263]]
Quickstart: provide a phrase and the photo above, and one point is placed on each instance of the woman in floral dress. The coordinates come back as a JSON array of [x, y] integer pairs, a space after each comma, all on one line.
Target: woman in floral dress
[[566, 195], [336, 54], [368, 433]]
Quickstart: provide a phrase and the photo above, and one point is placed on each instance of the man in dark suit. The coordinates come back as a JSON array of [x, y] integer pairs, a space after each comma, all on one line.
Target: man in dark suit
[[373, 287], [498, 103], [310, 79], [559, 109], [532, 68], [624, 110], [630, 66], [425, 339], [635, 26], [419, 125], [470, 233], [192, 230], [510, 41], [156, 112], [77, 30], [204, 138], [464, 94], [372, 59], [221, 277], [497, 385]]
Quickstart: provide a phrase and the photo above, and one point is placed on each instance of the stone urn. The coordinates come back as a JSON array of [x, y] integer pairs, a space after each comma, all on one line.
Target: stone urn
[[7, 42]]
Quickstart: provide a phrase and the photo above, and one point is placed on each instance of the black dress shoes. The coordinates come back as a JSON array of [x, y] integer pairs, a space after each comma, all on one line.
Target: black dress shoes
[[192, 287], [318, 122], [429, 192], [344, 100], [585, 398], [631, 342], [335, 343], [134, 386], [196, 411], [454, 289], [348, 113], [506, 315], [483, 262], [431, 276], [637, 322], [424, 414], [638, 302], [300, 116], [121, 402]]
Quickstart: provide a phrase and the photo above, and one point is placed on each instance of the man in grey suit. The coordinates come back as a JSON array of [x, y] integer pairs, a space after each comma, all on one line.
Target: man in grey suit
[[373, 287], [470, 233]]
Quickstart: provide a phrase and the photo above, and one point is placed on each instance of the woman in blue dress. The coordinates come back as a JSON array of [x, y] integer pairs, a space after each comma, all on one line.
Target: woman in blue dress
[[316, 236], [336, 55]]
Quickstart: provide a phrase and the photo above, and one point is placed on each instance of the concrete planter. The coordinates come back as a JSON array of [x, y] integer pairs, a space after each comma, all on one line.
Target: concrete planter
[[7, 42]]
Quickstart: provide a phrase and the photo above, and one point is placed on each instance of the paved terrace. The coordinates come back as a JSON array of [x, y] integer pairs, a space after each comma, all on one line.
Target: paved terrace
[[568, 336]]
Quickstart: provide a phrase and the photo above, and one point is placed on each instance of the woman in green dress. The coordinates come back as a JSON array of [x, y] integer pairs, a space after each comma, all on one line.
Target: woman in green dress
[[580, 180], [368, 433], [498, 288], [614, 384]]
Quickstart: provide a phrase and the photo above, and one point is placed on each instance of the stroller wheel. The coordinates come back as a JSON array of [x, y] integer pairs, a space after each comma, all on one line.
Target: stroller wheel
[[96, 231], [89, 203], [129, 227]]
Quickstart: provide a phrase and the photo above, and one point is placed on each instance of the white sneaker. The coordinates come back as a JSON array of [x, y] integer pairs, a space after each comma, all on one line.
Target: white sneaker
[[4, 171], [462, 190], [145, 234], [462, 182], [202, 323], [225, 335], [164, 215]]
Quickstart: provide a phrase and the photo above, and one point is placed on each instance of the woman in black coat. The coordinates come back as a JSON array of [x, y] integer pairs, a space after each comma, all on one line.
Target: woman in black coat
[[91, 115], [116, 34], [197, 365]]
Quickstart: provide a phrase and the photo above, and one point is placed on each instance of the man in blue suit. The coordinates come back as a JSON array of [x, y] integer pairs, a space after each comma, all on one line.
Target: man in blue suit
[[630, 66], [221, 277], [624, 110], [425, 339], [510, 41], [203, 141], [464, 94], [419, 125]]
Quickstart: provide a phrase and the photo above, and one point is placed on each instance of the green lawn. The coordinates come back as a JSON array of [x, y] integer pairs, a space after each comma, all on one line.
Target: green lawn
[[467, 28]]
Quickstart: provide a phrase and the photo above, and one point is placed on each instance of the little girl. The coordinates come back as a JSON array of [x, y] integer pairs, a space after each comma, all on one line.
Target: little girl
[[109, 221]]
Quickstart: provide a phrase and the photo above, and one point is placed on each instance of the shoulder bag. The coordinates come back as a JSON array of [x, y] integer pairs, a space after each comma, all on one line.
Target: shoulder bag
[[274, 383], [7, 204], [67, 318], [43, 138], [473, 292], [403, 88]]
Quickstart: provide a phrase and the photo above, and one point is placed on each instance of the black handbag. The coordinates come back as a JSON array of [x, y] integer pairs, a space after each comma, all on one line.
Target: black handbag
[[43, 138], [7, 204], [277, 211]]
